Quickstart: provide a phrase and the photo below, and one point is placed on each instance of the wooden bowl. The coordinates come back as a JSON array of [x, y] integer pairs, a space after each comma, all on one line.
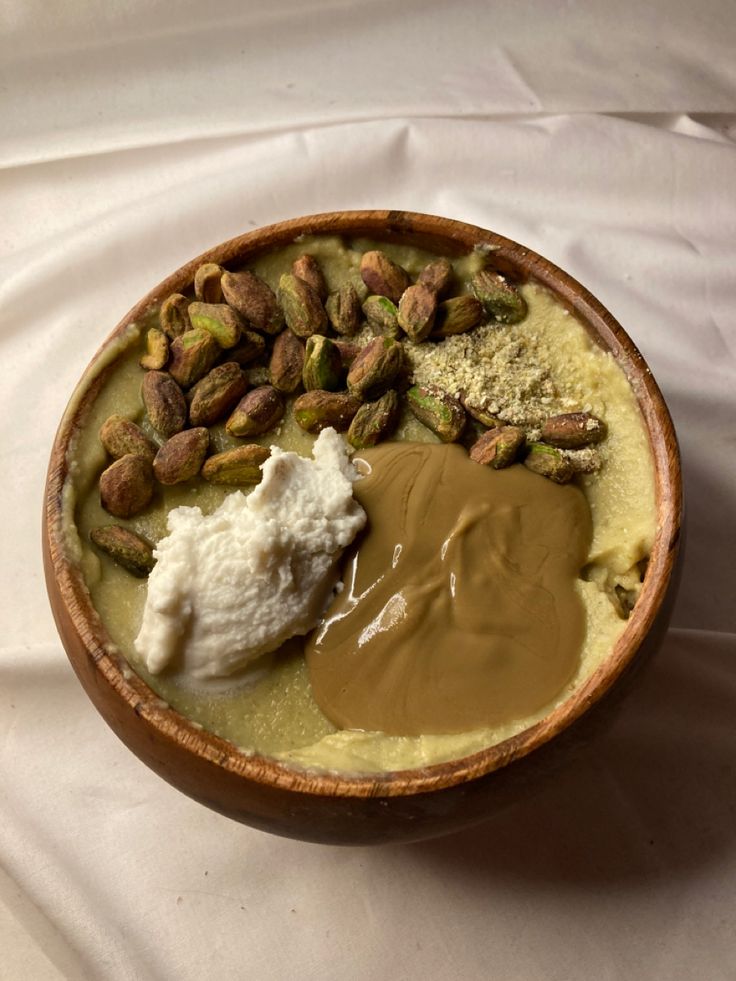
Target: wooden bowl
[[410, 804]]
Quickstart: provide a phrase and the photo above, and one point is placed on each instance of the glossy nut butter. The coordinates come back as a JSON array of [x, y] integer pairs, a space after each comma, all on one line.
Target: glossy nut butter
[[459, 608]]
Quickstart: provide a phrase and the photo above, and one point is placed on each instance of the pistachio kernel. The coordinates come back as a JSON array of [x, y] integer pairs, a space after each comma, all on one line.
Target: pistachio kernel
[[207, 285], [192, 355], [121, 436], [307, 268], [417, 308], [549, 462], [316, 410], [438, 411], [501, 300], [374, 421], [376, 368], [236, 467], [498, 448], [182, 456], [322, 364], [257, 412], [129, 550], [157, 350], [126, 486], [173, 316], [219, 319], [214, 395], [164, 403], [287, 362], [254, 300], [343, 309], [305, 315], [572, 430], [382, 314], [382, 275]]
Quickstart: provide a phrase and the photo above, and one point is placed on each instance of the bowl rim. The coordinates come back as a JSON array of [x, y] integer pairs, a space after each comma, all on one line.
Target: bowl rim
[[443, 236]]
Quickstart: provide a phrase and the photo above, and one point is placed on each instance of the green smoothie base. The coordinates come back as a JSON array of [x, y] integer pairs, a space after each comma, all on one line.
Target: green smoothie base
[[270, 710]]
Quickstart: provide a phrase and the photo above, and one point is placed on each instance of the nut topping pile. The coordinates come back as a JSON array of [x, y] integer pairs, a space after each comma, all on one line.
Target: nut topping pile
[[306, 343]]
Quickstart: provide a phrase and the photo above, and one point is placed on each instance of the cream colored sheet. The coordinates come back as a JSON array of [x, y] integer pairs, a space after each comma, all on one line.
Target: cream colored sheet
[[134, 136]]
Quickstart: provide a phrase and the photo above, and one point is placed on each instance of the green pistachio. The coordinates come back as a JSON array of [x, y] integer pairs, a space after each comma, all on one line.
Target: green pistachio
[[207, 285], [343, 310], [374, 421], [254, 300], [219, 319], [498, 448], [322, 364], [549, 462], [501, 300], [305, 315], [257, 412], [236, 467], [129, 550], [192, 355], [376, 368], [316, 410], [382, 275], [438, 411]]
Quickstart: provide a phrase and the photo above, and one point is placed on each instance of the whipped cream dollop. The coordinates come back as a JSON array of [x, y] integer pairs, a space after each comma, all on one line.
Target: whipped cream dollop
[[236, 584]]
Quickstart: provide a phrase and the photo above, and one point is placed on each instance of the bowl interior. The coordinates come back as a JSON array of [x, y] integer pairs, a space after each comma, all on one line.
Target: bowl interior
[[149, 726]]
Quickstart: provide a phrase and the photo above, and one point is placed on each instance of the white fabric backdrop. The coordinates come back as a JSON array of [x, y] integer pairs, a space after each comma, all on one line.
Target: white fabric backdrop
[[135, 136]]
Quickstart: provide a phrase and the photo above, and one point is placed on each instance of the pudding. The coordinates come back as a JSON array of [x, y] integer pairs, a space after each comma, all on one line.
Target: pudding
[[522, 374]]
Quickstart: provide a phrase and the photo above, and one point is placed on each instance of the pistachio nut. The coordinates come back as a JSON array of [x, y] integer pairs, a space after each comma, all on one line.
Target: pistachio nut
[[498, 448], [129, 550], [253, 299], [417, 308], [287, 361], [437, 275], [438, 411], [481, 414], [374, 421], [121, 436], [307, 268], [322, 364], [316, 410], [239, 466], [182, 456], [157, 350], [257, 412], [500, 299], [376, 368], [349, 351], [571, 430], [126, 486], [207, 286], [549, 462], [249, 348], [585, 460], [219, 319], [305, 315], [173, 316], [356, 281], [214, 395], [382, 314], [343, 310], [165, 403], [382, 275], [457, 315], [192, 355]]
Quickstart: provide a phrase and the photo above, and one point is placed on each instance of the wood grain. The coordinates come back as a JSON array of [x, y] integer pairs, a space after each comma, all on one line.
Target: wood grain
[[403, 805]]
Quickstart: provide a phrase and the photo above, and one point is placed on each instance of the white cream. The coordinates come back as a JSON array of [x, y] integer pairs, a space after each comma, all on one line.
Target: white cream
[[233, 585]]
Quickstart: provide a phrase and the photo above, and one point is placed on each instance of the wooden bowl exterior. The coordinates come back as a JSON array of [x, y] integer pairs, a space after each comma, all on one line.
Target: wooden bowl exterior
[[405, 805]]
